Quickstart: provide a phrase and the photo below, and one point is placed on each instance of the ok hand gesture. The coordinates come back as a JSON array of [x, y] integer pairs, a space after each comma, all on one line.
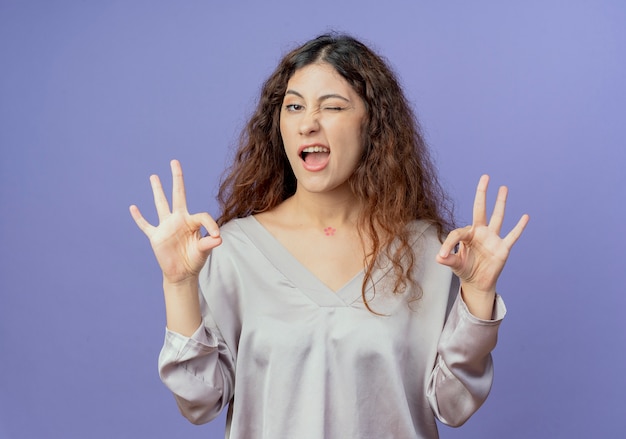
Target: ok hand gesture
[[482, 253], [178, 245]]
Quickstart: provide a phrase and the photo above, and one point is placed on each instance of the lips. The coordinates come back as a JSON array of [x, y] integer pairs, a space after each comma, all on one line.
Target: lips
[[314, 157]]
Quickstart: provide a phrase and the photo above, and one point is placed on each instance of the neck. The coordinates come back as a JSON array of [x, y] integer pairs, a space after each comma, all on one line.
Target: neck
[[336, 209]]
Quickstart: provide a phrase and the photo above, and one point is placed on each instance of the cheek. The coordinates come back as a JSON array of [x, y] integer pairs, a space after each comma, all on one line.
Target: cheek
[[281, 125], [358, 140], [284, 137], [286, 131], [288, 144]]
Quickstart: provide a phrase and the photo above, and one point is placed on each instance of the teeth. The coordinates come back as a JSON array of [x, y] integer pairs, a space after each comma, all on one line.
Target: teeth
[[315, 149]]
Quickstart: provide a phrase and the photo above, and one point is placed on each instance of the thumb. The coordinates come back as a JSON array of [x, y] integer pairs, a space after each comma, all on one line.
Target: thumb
[[208, 243], [452, 260]]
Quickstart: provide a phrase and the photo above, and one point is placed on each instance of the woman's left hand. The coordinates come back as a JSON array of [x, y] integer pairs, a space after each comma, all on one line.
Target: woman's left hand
[[482, 253]]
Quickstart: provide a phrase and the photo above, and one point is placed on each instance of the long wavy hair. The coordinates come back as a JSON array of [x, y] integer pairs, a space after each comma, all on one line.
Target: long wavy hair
[[395, 180]]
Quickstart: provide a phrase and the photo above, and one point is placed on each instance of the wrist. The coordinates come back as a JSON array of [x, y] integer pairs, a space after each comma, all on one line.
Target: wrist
[[182, 305], [479, 302], [182, 284]]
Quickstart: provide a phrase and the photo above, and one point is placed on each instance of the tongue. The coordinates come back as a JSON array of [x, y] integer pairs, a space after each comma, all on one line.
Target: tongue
[[316, 158]]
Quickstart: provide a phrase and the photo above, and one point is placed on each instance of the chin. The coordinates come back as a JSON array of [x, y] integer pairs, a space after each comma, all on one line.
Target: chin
[[322, 188]]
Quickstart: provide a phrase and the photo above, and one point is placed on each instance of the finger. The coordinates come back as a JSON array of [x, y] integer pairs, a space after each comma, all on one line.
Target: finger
[[213, 238], [160, 201], [480, 202], [514, 234], [144, 225], [497, 217], [453, 238], [179, 199], [205, 220]]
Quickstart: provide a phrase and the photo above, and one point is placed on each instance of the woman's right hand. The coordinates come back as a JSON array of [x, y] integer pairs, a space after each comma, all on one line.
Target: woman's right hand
[[177, 242]]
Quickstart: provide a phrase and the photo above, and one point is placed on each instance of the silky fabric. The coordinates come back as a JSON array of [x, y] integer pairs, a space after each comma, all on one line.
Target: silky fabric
[[294, 359]]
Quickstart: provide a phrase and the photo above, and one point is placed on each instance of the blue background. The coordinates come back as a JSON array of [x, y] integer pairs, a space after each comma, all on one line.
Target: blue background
[[96, 96]]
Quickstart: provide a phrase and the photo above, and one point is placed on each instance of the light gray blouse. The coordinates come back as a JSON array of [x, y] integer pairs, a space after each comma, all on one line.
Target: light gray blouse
[[293, 359]]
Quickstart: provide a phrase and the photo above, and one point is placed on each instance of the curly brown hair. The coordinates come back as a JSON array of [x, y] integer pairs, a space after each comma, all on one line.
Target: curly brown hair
[[395, 179]]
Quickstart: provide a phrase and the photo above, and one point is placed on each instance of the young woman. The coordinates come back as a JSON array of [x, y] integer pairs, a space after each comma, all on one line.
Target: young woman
[[323, 303]]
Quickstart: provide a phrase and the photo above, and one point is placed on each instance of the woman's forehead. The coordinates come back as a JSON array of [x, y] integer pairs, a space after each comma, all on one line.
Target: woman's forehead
[[321, 77]]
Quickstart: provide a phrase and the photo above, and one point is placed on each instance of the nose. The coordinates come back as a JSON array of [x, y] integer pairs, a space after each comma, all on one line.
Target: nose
[[309, 122]]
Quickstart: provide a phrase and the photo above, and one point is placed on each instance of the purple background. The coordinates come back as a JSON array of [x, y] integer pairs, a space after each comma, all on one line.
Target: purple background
[[95, 96]]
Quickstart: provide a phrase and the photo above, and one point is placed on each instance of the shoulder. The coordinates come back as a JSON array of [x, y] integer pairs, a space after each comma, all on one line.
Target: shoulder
[[237, 227], [423, 231], [226, 260], [425, 243], [235, 236]]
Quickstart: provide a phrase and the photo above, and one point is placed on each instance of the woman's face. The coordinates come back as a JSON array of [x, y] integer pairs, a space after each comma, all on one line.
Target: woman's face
[[320, 123]]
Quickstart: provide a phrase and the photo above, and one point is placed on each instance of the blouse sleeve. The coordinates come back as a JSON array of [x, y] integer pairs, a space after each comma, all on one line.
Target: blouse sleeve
[[199, 371], [463, 373]]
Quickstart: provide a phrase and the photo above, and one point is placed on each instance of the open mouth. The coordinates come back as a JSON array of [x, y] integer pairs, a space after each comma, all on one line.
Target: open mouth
[[315, 155]]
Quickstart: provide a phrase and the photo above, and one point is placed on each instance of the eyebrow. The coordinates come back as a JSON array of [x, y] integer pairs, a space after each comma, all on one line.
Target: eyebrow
[[321, 98]]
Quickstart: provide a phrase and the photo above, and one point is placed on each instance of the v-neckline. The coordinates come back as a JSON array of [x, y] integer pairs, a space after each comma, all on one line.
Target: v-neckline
[[303, 278]]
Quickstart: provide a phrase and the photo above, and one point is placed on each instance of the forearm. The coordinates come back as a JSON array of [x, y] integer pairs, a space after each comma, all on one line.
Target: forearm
[[182, 306]]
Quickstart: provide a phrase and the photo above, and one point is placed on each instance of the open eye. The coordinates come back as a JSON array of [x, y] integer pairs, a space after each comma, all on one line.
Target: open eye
[[293, 107]]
